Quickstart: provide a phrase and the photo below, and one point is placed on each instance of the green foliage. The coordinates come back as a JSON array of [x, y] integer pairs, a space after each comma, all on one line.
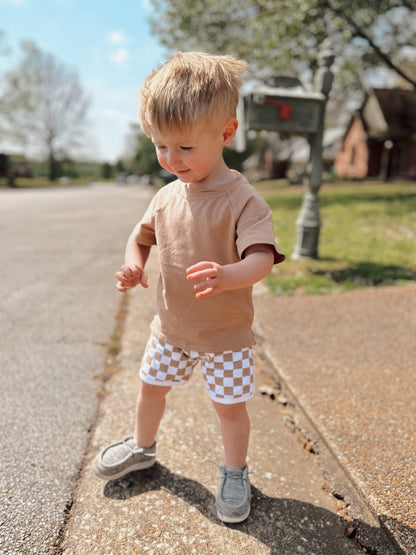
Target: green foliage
[[145, 160], [282, 37], [107, 171], [234, 159], [120, 166], [45, 182], [367, 238], [76, 172]]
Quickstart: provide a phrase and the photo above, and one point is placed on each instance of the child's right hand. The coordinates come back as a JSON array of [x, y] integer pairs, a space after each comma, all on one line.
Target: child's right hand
[[130, 276]]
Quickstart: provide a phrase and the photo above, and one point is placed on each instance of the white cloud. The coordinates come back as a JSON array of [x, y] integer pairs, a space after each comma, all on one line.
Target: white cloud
[[120, 56], [146, 5], [117, 37], [119, 53]]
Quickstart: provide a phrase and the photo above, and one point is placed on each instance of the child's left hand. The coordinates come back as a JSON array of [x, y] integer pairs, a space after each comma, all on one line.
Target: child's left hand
[[212, 278]]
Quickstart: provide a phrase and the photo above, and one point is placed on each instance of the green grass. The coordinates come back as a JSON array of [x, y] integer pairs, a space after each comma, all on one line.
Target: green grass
[[367, 237], [42, 182]]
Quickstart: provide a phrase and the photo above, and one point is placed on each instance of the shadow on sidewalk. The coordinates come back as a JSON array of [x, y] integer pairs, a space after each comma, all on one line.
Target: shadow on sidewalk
[[285, 525]]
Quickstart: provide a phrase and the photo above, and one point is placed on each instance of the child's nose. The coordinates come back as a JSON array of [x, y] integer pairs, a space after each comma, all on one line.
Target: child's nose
[[173, 159]]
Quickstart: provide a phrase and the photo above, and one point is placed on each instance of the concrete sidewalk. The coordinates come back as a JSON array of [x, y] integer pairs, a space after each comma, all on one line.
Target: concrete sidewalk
[[301, 503], [350, 362]]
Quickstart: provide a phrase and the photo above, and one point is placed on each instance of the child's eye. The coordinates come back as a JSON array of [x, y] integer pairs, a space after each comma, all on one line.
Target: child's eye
[[186, 147], [160, 147]]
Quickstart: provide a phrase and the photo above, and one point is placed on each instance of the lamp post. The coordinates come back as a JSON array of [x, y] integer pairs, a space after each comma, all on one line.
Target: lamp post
[[309, 220]]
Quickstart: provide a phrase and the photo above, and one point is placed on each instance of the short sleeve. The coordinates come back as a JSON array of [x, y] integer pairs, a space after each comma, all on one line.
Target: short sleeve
[[255, 227], [144, 232]]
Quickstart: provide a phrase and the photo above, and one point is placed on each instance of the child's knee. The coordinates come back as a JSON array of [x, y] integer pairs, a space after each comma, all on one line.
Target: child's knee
[[150, 391], [230, 411]]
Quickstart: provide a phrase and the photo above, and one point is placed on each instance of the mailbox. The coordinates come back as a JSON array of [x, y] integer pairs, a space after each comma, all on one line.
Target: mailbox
[[285, 110], [282, 104]]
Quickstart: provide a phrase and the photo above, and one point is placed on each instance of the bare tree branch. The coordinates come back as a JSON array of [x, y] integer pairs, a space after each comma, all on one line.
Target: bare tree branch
[[45, 104], [359, 31]]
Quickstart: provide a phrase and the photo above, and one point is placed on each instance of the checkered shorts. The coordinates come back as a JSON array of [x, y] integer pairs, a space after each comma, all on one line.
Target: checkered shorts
[[228, 376]]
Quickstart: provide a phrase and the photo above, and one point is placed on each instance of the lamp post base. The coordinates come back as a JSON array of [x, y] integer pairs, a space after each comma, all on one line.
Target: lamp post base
[[306, 247]]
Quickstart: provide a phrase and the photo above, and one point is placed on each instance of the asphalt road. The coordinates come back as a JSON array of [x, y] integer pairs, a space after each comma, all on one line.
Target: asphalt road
[[59, 249]]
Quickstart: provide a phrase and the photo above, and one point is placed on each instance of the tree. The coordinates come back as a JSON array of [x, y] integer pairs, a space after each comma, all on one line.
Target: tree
[[145, 158], [106, 170], [3, 52], [45, 106], [281, 36]]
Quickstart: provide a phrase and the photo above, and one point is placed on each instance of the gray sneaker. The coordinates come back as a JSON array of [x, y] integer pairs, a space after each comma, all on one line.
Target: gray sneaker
[[233, 497], [123, 457]]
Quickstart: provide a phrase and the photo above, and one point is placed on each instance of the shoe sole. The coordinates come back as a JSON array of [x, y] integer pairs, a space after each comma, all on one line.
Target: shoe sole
[[233, 519], [132, 468]]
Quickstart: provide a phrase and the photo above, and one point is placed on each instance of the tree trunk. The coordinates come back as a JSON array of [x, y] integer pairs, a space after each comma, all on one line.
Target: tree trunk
[[53, 168]]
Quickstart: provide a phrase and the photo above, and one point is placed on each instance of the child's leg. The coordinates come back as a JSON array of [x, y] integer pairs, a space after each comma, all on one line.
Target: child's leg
[[233, 497], [149, 411], [122, 457], [235, 429]]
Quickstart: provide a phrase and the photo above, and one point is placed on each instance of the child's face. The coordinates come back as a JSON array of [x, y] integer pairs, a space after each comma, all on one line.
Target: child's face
[[192, 156]]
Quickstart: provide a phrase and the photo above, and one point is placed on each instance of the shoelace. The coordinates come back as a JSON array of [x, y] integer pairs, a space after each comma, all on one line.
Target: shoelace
[[234, 474], [136, 449], [228, 472], [212, 462]]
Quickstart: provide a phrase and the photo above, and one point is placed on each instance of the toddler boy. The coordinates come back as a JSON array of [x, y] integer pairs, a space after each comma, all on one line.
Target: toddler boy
[[215, 239]]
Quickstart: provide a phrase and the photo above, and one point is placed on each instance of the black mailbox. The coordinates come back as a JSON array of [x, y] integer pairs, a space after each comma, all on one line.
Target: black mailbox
[[285, 110]]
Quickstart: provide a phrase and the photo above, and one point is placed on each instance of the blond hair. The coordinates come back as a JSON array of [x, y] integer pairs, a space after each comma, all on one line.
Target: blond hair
[[191, 86]]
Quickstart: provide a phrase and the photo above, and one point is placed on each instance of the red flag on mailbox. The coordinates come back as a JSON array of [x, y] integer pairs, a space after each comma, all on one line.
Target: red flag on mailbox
[[285, 110]]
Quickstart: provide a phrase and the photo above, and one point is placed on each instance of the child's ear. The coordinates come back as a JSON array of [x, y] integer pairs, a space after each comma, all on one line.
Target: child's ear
[[229, 130]]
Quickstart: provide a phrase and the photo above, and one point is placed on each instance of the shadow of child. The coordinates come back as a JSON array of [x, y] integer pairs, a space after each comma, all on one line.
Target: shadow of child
[[286, 526]]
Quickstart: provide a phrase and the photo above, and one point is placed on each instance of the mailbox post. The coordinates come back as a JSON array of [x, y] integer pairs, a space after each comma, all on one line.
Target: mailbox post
[[296, 111], [309, 220]]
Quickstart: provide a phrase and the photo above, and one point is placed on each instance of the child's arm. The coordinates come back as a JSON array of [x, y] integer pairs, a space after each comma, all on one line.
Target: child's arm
[[213, 278], [132, 272]]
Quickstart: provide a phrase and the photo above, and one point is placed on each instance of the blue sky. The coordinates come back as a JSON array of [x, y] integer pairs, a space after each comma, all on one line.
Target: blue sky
[[108, 43]]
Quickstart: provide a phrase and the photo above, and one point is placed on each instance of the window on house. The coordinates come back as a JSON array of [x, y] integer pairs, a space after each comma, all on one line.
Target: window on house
[[353, 157]]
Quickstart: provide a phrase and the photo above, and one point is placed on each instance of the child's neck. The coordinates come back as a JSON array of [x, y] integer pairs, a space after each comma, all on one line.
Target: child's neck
[[222, 174]]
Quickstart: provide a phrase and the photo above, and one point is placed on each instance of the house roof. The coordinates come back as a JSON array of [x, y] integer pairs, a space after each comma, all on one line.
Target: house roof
[[389, 113]]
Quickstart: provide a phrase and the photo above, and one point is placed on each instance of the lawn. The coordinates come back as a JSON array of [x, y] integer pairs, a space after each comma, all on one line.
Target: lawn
[[43, 182], [367, 237]]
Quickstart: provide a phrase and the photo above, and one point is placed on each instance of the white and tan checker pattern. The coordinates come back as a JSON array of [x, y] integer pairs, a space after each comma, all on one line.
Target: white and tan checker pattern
[[228, 376]]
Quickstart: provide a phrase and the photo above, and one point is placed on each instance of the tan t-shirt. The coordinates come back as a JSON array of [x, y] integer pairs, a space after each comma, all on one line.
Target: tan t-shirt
[[208, 223]]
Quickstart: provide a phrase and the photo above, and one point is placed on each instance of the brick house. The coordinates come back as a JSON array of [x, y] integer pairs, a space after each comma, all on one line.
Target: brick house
[[380, 140]]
